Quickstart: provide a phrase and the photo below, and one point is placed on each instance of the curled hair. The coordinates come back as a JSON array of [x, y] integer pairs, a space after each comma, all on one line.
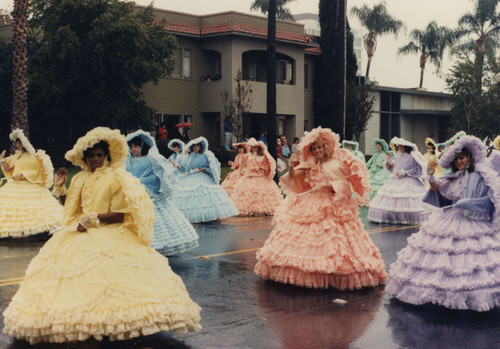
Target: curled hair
[[139, 142], [467, 153], [103, 145], [326, 147]]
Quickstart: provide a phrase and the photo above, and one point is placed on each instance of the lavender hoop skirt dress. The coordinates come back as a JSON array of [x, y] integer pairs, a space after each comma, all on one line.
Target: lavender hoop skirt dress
[[454, 259], [399, 201]]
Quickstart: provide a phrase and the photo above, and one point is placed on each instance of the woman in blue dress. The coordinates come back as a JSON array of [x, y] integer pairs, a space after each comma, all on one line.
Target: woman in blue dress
[[173, 233], [177, 146], [198, 194]]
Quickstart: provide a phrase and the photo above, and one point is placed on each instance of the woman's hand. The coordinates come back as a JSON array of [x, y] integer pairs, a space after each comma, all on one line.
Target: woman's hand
[[18, 177], [60, 177], [229, 162]]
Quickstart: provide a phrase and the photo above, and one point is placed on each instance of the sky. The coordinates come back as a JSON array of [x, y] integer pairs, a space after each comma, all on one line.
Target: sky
[[388, 68]]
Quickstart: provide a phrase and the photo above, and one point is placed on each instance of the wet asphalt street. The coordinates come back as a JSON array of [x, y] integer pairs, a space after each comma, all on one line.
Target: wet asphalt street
[[240, 310]]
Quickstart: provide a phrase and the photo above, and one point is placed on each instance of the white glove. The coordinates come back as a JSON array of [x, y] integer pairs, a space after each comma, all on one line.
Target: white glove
[[89, 220], [193, 171]]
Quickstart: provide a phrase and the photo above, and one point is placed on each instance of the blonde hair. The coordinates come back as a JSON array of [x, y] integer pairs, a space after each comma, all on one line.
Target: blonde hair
[[326, 147]]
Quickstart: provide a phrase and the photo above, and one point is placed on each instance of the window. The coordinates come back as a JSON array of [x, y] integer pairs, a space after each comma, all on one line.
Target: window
[[187, 72], [306, 76], [285, 72], [252, 70], [390, 116], [306, 125], [281, 127]]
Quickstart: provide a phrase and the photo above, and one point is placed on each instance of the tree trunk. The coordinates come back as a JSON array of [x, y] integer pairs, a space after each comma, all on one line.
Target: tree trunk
[[271, 79], [19, 67], [368, 63], [423, 59]]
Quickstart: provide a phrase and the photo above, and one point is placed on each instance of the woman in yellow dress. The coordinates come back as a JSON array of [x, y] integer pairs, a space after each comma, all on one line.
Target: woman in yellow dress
[[98, 276], [432, 155], [26, 205]]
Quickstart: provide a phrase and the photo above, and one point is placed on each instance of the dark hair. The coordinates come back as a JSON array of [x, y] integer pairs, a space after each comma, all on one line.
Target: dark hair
[[296, 139], [379, 143], [103, 145], [466, 152], [408, 149], [202, 148], [138, 141], [433, 147], [240, 146]]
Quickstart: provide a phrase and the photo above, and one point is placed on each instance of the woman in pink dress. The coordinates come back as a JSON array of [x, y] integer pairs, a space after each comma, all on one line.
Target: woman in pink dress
[[237, 167], [256, 194], [319, 240]]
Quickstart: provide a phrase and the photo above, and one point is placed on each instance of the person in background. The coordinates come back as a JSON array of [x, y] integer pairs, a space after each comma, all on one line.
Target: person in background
[[228, 132], [263, 138], [285, 147], [173, 234], [162, 133], [26, 205], [295, 144], [399, 201]]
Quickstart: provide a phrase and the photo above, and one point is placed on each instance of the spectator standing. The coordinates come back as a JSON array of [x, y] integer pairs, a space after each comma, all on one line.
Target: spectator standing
[[228, 132], [162, 133]]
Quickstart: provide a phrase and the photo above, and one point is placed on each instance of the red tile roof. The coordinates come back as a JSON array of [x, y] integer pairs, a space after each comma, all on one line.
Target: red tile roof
[[234, 28], [313, 50]]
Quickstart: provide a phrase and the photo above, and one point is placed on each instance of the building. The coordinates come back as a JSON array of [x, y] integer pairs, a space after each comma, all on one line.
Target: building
[[408, 113], [313, 28], [211, 51]]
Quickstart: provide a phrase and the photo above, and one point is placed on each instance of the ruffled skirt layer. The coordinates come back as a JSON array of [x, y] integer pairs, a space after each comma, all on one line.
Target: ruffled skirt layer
[[27, 209], [104, 282], [452, 261], [173, 232], [230, 181], [256, 196], [200, 199], [320, 245], [399, 201]]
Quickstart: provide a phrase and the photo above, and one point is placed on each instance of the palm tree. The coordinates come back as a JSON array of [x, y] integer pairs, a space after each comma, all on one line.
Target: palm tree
[[431, 43], [484, 25], [19, 66], [377, 21], [281, 11]]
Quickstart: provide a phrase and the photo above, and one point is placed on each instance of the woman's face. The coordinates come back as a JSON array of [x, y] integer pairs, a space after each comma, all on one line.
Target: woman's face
[[401, 148], [19, 145], [318, 150], [461, 161], [430, 147], [255, 149], [136, 149], [96, 158], [196, 148], [379, 147], [241, 150], [175, 148], [349, 146]]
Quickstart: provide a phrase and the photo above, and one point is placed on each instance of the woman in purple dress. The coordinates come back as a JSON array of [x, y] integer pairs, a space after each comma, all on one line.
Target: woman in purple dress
[[454, 259], [399, 201]]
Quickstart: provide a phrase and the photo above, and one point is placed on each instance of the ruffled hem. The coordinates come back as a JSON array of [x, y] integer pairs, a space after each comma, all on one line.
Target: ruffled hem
[[34, 210], [382, 216], [256, 196], [298, 277], [476, 300], [79, 325], [205, 203], [173, 232]]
